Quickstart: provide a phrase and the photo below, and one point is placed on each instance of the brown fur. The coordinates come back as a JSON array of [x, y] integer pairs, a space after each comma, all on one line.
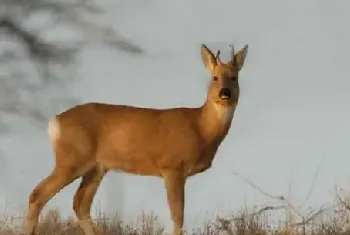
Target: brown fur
[[93, 138]]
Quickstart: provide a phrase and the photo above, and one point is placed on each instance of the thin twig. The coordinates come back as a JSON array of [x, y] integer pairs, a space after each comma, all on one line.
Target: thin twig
[[278, 198], [287, 205]]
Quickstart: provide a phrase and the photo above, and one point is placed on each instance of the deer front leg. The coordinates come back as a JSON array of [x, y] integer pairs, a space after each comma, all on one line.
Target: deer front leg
[[174, 182]]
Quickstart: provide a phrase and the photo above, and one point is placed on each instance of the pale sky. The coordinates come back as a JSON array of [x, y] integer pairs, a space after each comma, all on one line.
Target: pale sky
[[292, 119]]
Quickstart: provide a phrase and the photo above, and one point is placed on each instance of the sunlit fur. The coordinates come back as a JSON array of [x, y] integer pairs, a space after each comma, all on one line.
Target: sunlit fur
[[90, 139]]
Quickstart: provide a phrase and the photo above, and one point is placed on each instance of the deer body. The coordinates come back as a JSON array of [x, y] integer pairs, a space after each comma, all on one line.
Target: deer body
[[93, 138], [169, 139]]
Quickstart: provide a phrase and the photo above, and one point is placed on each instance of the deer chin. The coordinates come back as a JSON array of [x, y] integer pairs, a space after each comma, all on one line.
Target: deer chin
[[227, 103]]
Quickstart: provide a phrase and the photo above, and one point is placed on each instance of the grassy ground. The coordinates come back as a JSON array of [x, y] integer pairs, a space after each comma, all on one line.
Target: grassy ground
[[331, 219]]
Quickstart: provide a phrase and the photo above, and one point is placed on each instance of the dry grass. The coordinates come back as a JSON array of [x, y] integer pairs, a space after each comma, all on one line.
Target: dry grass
[[334, 220]]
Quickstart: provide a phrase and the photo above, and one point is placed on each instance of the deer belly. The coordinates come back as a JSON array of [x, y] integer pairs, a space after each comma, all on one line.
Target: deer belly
[[140, 168], [138, 165]]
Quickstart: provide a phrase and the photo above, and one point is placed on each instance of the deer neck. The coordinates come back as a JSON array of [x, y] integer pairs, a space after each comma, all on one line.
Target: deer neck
[[215, 121]]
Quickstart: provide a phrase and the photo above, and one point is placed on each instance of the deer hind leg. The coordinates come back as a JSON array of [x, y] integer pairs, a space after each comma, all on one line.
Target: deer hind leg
[[174, 183], [84, 197], [43, 192]]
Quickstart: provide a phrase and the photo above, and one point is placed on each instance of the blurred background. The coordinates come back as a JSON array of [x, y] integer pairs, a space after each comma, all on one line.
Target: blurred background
[[291, 131]]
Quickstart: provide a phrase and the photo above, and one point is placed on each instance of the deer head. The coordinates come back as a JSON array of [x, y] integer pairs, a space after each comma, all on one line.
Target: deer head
[[224, 87]]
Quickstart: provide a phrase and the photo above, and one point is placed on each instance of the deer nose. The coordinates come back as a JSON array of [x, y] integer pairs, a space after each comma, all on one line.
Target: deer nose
[[225, 93]]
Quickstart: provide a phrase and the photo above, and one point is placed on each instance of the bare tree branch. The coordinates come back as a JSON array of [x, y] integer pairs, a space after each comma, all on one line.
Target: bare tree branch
[[32, 63]]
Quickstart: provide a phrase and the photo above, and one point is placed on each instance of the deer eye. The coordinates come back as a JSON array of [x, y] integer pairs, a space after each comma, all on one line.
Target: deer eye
[[234, 78], [215, 78]]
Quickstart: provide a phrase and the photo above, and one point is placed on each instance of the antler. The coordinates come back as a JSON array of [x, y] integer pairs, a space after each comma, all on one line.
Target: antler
[[218, 57], [232, 52]]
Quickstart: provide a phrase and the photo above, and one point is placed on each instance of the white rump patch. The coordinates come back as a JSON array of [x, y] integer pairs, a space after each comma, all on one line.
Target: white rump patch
[[225, 114], [53, 129]]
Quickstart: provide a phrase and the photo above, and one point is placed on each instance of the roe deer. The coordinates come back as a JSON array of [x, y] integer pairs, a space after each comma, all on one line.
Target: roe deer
[[90, 139]]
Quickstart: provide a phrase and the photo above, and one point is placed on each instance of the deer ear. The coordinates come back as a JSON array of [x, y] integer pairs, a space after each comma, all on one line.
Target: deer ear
[[208, 58], [239, 57]]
